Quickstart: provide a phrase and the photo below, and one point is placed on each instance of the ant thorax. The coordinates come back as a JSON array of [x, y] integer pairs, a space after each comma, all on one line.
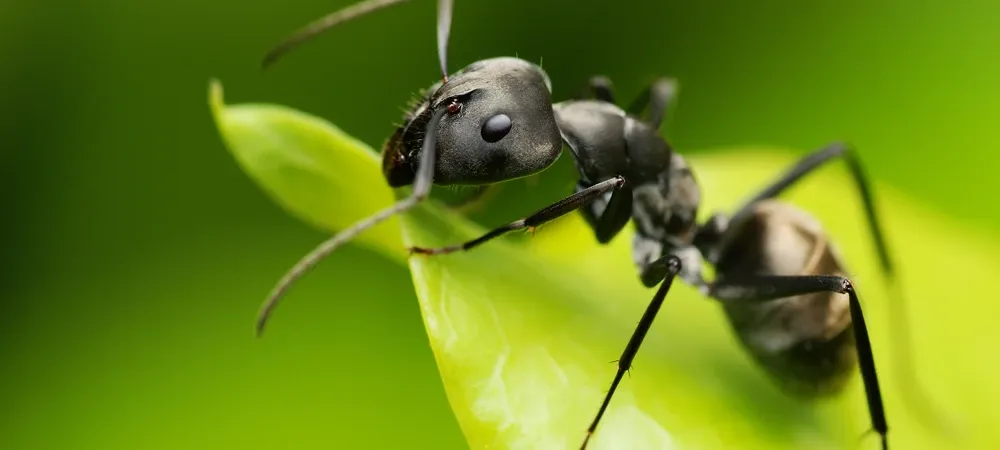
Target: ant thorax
[[665, 212]]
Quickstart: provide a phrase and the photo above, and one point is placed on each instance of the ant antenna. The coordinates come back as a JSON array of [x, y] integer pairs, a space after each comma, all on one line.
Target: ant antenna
[[325, 23], [425, 171], [421, 187], [354, 11], [444, 29]]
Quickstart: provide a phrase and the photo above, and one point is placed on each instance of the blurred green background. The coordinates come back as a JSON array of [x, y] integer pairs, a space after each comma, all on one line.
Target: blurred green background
[[136, 252]]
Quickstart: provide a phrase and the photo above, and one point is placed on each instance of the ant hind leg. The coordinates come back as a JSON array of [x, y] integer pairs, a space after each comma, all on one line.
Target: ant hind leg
[[763, 288]]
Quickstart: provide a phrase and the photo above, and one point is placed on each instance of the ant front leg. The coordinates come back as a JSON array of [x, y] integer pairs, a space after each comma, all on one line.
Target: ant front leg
[[657, 97], [768, 288], [546, 214], [600, 87], [607, 216]]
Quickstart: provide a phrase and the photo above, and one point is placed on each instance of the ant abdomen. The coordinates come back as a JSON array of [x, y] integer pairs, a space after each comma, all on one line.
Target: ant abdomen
[[805, 341]]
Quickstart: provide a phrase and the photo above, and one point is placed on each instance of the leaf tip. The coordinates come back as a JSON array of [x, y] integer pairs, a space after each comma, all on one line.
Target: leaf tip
[[215, 96]]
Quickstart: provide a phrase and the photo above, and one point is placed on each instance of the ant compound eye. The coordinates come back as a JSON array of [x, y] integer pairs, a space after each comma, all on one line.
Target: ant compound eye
[[496, 127], [454, 107]]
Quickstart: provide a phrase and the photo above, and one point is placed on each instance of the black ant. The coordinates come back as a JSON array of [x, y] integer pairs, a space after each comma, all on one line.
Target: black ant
[[779, 280]]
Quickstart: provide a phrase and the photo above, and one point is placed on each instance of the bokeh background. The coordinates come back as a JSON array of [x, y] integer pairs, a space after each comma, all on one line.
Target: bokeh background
[[135, 251]]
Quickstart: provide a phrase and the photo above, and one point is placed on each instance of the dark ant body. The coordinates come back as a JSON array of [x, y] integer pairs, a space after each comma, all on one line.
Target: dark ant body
[[778, 278]]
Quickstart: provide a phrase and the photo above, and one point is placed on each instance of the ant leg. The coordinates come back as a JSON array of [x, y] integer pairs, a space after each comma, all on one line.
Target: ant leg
[[600, 87], [658, 96], [808, 165], [926, 409], [551, 212], [608, 217], [671, 266], [421, 189], [765, 288]]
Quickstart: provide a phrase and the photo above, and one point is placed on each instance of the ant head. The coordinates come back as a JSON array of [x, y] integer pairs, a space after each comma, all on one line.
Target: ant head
[[496, 118], [499, 125], [492, 121]]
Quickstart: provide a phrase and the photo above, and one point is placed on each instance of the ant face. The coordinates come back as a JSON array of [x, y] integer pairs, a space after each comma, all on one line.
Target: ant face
[[499, 126]]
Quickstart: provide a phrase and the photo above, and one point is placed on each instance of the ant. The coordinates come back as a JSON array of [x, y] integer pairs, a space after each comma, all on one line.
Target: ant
[[778, 278]]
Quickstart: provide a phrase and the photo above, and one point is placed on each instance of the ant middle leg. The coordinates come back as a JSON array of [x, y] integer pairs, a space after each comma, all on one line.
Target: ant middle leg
[[546, 214], [668, 267], [763, 288]]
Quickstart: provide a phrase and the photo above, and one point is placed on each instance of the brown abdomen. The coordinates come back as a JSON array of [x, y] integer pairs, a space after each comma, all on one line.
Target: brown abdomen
[[805, 342]]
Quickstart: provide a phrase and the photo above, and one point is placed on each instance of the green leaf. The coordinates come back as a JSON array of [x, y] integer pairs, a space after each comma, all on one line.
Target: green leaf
[[523, 332], [304, 164]]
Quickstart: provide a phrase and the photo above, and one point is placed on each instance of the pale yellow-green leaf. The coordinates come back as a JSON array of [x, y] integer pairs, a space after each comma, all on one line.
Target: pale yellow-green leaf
[[304, 164], [524, 332]]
